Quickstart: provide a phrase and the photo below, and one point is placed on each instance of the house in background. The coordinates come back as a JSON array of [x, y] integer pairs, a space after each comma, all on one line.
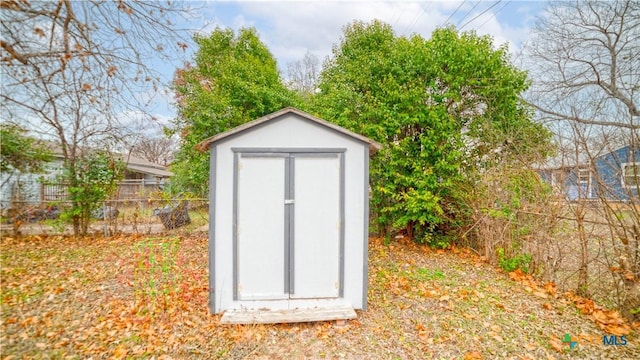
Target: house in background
[[141, 177], [613, 175]]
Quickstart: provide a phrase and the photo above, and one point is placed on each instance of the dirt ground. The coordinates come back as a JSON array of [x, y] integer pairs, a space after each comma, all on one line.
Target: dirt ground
[[139, 296]]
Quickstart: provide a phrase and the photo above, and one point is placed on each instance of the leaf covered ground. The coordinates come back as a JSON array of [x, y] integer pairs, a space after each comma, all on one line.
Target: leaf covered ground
[[139, 297]]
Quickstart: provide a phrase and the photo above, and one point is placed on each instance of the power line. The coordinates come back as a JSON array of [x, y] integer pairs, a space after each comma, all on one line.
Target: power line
[[416, 18], [494, 15], [482, 13], [469, 12], [458, 8]]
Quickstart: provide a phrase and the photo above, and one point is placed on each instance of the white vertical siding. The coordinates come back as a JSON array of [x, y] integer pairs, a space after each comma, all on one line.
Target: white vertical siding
[[291, 131]]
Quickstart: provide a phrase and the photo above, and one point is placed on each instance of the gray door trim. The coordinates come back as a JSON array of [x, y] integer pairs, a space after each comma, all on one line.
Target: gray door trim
[[365, 231], [288, 225], [289, 156], [342, 210], [288, 150], [212, 230], [235, 226]]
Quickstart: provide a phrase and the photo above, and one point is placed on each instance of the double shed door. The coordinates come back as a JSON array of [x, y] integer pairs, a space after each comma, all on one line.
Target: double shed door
[[288, 225]]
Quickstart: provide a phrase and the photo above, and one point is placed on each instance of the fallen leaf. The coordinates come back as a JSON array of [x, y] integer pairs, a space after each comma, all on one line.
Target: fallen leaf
[[556, 344], [120, 352], [473, 355], [540, 294]]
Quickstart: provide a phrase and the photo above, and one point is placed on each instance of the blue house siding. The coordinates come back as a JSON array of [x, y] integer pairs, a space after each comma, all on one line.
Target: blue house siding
[[567, 179], [609, 172], [603, 177]]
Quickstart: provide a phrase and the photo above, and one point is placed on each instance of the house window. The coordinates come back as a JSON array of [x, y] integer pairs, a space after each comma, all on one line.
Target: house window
[[584, 177], [584, 182], [630, 174]]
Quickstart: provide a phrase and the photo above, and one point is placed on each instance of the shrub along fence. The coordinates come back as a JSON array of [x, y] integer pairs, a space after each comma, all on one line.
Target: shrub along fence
[[132, 216], [591, 248]]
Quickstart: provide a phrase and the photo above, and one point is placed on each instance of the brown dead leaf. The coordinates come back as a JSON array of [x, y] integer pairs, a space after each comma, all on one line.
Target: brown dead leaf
[[547, 306], [120, 352], [556, 344], [540, 294], [473, 355], [322, 334], [550, 288]]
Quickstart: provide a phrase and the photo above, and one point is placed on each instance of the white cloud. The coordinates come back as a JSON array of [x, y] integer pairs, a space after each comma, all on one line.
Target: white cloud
[[290, 29]]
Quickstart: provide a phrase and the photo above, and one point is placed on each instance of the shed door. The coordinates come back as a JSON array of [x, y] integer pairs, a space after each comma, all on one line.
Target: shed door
[[260, 258], [316, 234], [288, 218]]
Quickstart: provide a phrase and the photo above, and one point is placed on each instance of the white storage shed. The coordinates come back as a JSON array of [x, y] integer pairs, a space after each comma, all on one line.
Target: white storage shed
[[288, 231]]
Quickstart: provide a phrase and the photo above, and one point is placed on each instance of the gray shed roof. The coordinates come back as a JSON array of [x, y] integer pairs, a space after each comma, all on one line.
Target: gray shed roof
[[205, 144]]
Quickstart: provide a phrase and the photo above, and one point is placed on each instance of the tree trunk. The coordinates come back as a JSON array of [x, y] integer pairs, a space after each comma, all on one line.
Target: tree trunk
[[582, 287]]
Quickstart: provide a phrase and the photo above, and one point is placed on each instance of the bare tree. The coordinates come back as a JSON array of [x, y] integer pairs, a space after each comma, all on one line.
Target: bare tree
[[71, 69], [302, 75], [586, 64], [159, 150], [586, 56]]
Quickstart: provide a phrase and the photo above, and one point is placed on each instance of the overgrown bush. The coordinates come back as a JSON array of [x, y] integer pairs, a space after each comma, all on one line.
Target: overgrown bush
[[91, 180], [514, 220], [444, 109]]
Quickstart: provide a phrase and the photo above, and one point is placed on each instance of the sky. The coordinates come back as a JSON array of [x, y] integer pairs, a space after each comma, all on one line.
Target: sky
[[290, 29]]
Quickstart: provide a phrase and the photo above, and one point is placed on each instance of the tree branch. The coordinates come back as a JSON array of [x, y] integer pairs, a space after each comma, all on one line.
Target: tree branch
[[580, 120]]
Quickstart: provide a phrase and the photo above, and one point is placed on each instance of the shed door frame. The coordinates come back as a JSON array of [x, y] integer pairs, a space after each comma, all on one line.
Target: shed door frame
[[289, 155]]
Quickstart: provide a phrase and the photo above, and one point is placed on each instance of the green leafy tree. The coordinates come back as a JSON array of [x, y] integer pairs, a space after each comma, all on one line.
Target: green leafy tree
[[92, 179], [19, 152], [444, 108], [233, 79]]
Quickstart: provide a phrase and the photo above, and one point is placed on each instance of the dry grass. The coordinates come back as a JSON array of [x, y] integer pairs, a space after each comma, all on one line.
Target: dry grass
[[81, 298]]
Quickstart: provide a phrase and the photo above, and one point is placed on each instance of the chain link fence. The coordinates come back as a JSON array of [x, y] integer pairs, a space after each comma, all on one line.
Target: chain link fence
[[122, 216]]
